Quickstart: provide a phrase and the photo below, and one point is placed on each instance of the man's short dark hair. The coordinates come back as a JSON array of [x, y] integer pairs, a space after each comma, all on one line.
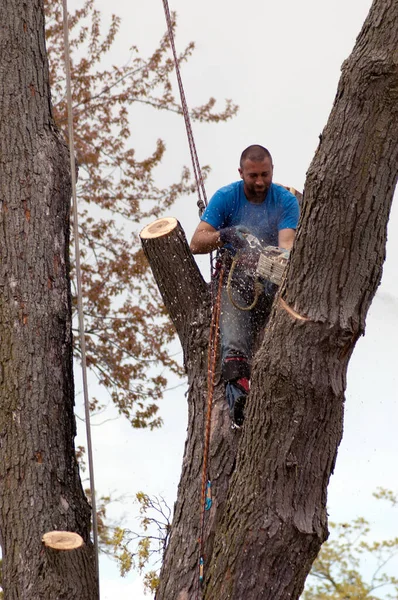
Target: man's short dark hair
[[255, 153]]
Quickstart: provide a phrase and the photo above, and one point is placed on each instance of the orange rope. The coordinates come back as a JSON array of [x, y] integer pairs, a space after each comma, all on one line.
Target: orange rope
[[211, 380], [213, 335]]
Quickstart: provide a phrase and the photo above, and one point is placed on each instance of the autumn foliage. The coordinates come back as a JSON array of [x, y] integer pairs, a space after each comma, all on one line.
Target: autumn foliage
[[127, 330]]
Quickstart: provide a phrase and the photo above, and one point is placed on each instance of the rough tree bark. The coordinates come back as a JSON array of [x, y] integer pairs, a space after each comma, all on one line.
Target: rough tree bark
[[40, 488], [269, 519]]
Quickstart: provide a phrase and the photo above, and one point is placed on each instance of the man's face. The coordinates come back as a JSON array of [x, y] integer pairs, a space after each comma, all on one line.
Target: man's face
[[257, 177]]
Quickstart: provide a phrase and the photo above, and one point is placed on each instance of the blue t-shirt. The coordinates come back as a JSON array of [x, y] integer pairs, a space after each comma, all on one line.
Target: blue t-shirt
[[229, 206]]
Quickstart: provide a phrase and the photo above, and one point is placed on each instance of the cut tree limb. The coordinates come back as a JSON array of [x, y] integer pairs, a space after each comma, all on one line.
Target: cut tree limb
[[180, 282], [62, 540]]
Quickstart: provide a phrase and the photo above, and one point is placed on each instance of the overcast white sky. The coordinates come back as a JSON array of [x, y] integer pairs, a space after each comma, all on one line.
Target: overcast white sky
[[280, 61]]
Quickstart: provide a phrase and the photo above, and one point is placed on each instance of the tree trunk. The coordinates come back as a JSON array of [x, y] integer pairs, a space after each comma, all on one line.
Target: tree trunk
[[188, 300], [269, 519], [40, 485]]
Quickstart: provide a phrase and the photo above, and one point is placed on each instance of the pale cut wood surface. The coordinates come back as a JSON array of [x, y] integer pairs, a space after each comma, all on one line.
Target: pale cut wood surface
[[62, 540], [159, 228]]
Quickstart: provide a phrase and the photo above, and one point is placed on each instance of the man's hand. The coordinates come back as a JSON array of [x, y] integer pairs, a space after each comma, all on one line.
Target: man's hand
[[206, 238], [234, 237]]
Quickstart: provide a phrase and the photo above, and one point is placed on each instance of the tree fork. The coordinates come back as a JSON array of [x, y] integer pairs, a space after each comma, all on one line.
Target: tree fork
[[270, 526]]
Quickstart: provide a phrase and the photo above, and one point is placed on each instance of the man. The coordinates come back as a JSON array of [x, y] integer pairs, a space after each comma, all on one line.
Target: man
[[270, 213]]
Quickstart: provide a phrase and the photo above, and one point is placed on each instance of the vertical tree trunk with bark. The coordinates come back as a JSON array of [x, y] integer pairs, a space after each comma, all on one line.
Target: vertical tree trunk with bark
[[269, 519], [40, 488], [187, 298]]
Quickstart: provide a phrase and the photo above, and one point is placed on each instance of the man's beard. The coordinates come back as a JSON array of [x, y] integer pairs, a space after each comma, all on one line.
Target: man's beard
[[257, 193]]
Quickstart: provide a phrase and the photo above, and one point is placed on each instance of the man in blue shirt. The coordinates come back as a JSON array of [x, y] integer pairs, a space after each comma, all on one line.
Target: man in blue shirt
[[270, 213]]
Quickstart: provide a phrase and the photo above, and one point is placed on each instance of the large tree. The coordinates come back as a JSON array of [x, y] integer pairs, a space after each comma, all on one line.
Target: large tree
[[40, 484], [268, 517]]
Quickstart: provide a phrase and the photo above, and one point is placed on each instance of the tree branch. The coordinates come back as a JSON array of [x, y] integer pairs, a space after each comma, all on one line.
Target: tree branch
[[180, 282]]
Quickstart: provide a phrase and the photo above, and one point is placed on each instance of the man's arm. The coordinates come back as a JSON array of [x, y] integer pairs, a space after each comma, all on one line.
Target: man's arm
[[205, 239], [286, 238]]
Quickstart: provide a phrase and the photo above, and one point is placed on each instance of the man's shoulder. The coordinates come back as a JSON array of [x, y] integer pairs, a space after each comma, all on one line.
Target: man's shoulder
[[228, 198], [223, 204], [232, 190]]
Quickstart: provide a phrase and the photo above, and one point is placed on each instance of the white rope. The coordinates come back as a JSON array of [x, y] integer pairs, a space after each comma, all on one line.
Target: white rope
[[200, 186], [79, 287], [202, 198]]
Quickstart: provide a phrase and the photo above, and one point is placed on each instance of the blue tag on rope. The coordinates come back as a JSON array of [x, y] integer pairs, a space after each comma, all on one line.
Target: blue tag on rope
[[208, 496], [201, 567]]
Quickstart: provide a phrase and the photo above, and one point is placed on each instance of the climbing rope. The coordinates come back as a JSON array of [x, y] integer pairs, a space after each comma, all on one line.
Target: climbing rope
[[202, 198], [79, 287], [200, 186], [205, 496]]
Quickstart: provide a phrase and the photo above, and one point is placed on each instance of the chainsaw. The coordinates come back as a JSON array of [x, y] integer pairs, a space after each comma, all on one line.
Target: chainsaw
[[263, 262], [272, 260]]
